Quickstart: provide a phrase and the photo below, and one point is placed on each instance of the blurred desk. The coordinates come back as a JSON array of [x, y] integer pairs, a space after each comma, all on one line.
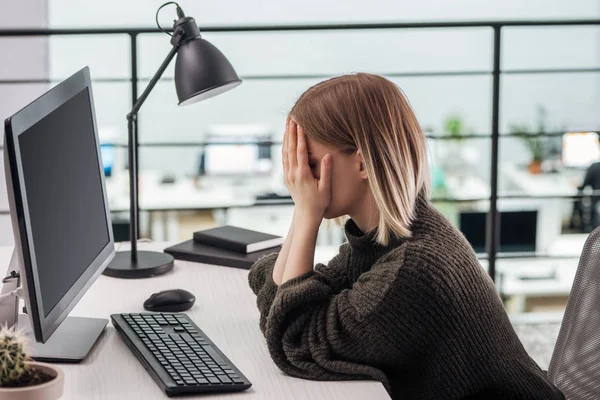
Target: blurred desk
[[563, 183], [184, 195], [523, 279], [469, 187], [164, 200], [553, 211]]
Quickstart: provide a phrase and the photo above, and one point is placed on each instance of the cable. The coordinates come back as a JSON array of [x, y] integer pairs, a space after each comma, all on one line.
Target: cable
[[18, 292], [158, 11]]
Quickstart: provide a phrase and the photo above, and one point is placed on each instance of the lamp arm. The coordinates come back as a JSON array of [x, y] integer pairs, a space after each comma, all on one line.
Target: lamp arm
[[132, 148], [153, 81]]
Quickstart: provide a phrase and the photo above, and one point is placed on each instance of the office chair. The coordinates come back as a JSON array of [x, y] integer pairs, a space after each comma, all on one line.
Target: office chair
[[575, 364]]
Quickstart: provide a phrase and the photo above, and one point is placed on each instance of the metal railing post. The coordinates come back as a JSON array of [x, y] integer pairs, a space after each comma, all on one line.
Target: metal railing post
[[493, 215]]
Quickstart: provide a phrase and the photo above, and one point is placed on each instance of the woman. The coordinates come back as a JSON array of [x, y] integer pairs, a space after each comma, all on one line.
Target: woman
[[405, 301]]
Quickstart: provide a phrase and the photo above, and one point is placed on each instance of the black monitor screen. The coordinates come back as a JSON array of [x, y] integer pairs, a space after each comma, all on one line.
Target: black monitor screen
[[517, 230], [64, 196]]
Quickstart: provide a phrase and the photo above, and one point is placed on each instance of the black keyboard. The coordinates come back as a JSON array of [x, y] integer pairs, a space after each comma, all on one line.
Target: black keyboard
[[178, 355]]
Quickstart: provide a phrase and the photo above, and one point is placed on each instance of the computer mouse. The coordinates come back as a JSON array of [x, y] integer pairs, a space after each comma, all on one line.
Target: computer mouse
[[173, 300]]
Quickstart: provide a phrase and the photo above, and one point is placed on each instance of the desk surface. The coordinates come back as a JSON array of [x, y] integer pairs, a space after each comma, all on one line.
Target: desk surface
[[184, 195], [225, 310], [548, 184]]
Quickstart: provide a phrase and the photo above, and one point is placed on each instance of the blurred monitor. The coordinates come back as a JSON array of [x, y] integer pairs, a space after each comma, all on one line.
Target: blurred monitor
[[107, 152], [517, 230], [580, 149], [235, 155]]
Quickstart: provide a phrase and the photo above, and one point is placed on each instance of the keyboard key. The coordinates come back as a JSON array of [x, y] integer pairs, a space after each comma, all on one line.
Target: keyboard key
[[187, 338], [202, 381], [224, 379], [213, 380], [211, 352], [180, 383]]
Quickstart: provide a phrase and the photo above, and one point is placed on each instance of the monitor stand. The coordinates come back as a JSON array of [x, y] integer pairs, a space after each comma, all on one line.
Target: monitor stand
[[70, 343]]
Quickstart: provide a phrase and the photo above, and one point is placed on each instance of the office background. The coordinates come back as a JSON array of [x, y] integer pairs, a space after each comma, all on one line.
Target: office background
[[550, 74]]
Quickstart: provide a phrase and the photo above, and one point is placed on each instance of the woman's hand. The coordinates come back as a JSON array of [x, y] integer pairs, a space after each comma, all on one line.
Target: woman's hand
[[311, 196]]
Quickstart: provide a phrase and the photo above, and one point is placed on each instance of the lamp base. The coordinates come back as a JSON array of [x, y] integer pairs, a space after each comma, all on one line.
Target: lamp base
[[149, 263]]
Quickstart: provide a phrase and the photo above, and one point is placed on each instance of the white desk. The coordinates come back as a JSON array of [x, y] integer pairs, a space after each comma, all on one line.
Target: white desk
[[225, 310], [163, 201], [547, 184]]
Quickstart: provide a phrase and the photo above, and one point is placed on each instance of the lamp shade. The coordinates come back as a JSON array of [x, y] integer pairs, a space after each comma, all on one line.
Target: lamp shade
[[202, 71]]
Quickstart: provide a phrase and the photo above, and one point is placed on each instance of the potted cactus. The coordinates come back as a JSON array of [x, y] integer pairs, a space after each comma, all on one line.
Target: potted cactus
[[21, 378]]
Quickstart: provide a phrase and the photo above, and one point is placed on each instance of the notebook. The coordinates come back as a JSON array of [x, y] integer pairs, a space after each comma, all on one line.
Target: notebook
[[203, 253], [237, 239]]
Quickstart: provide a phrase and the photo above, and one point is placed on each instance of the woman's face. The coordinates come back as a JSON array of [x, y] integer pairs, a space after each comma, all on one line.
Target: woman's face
[[347, 183]]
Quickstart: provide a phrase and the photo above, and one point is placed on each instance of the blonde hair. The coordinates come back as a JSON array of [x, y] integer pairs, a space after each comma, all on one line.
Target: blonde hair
[[368, 113]]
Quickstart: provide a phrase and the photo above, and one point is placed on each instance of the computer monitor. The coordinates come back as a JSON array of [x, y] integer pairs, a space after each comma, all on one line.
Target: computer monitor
[[60, 215], [107, 152], [236, 155], [580, 149], [518, 230]]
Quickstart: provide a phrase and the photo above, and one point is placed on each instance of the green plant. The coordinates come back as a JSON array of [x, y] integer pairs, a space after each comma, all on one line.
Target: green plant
[[454, 126], [12, 357], [533, 140]]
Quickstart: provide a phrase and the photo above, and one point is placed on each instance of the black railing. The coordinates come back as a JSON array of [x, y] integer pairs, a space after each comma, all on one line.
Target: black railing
[[496, 72]]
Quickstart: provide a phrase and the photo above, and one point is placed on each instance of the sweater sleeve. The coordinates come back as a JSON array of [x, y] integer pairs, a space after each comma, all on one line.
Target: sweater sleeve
[[314, 333], [261, 281]]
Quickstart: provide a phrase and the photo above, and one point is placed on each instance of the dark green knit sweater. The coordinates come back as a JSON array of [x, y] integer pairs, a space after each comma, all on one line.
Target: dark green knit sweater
[[419, 315]]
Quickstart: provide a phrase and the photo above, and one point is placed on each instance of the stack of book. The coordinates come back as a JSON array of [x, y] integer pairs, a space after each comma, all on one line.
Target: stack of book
[[227, 245]]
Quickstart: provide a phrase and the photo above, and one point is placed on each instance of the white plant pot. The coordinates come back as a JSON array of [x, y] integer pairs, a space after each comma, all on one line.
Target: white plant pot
[[50, 390]]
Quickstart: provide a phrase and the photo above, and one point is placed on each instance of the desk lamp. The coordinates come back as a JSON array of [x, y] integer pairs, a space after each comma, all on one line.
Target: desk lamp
[[201, 72]]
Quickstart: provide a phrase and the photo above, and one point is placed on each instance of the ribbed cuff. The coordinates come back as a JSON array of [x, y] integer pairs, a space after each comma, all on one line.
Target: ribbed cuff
[[297, 280], [261, 273]]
